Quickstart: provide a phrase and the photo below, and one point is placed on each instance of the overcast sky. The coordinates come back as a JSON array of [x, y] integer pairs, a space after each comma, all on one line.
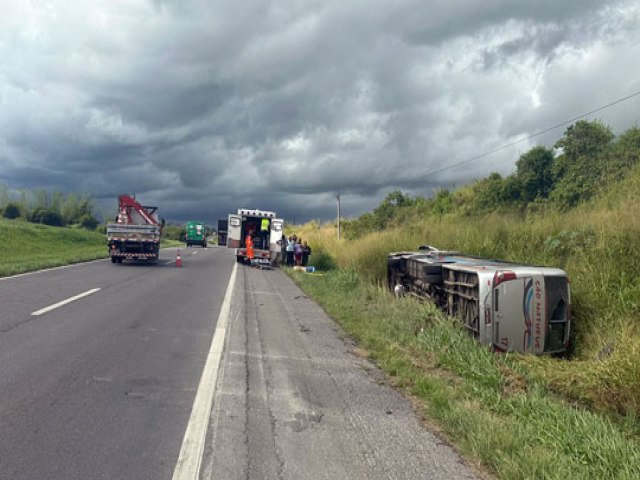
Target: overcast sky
[[202, 107]]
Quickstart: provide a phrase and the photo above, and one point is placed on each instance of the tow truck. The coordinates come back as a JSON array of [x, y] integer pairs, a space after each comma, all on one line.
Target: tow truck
[[135, 235]]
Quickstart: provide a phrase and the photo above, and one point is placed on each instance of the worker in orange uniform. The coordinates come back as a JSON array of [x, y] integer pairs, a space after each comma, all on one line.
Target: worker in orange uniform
[[249, 244]]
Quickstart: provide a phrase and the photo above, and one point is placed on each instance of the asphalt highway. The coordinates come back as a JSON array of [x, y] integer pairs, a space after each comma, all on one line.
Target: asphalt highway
[[214, 370]]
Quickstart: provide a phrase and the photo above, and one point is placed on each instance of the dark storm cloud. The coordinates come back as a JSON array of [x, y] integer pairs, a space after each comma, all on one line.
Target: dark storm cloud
[[450, 19], [202, 107]]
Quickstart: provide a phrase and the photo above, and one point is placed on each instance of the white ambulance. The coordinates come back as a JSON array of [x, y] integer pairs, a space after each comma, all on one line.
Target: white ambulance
[[266, 233]]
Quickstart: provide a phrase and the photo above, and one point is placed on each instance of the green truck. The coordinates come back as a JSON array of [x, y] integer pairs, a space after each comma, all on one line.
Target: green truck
[[196, 234]]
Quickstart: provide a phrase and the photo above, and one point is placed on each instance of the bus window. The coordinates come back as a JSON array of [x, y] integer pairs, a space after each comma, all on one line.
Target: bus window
[[557, 292]]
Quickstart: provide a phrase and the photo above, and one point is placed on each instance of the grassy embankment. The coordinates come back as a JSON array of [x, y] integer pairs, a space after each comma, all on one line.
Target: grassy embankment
[[520, 416], [26, 247]]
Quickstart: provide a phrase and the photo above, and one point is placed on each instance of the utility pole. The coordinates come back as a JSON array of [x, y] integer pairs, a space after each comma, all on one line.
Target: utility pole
[[338, 199]]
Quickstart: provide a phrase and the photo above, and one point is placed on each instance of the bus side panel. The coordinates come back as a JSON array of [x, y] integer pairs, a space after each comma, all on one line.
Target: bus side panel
[[485, 296], [535, 310], [519, 315]]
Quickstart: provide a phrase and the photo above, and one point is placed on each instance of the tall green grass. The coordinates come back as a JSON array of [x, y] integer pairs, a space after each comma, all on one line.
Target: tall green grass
[[489, 405]]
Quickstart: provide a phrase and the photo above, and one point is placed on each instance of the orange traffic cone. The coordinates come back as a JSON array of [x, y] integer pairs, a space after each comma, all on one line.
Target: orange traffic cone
[[178, 259]]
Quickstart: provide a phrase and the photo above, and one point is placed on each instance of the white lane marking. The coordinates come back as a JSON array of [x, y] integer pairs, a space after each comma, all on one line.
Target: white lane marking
[[64, 302], [190, 458]]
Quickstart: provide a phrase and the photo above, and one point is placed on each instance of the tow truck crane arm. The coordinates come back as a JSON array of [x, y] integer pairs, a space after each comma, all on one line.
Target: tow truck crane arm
[[127, 203]]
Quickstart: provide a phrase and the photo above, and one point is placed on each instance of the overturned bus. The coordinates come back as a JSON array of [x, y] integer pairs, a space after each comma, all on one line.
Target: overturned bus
[[507, 306]]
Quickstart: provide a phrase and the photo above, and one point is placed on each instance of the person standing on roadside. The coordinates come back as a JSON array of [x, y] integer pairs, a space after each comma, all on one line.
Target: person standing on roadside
[[306, 253], [282, 254], [297, 253], [289, 250]]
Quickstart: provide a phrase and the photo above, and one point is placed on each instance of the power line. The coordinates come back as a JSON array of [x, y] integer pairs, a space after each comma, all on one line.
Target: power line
[[537, 134]]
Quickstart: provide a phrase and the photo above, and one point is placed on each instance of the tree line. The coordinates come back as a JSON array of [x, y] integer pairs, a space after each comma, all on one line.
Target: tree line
[[49, 208], [584, 161]]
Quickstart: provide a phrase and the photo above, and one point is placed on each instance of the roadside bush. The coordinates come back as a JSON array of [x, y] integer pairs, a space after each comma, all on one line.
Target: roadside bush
[[88, 221], [46, 217], [322, 260], [52, 218], [37, 214], [11, 211]]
